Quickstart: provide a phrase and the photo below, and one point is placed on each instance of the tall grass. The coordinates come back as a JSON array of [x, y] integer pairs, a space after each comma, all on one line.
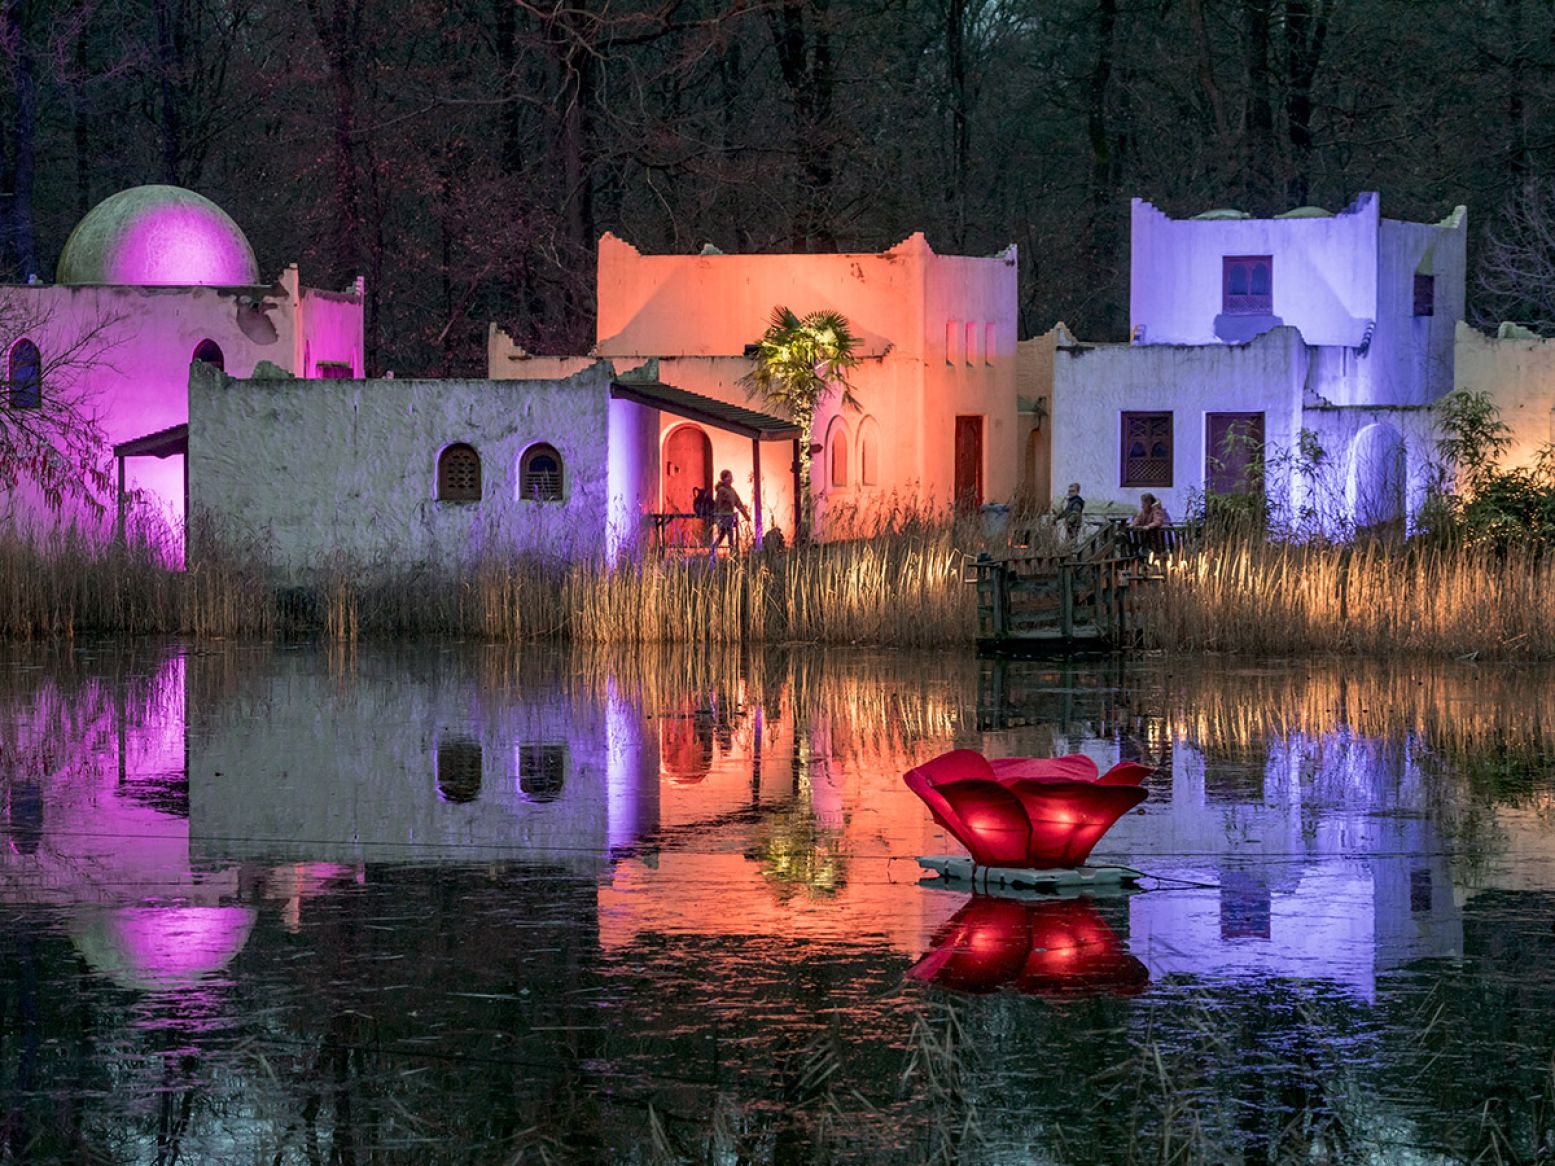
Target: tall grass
[[1251, 597], [898, 587]]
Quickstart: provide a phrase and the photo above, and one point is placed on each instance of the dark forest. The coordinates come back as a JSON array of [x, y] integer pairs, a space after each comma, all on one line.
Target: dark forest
[[466, 156]]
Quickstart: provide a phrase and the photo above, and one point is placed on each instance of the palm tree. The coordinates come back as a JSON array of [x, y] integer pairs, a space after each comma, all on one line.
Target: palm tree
[[798, 364]]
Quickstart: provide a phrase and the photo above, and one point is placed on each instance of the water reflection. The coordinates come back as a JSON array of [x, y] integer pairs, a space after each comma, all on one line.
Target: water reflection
[[295, 904]]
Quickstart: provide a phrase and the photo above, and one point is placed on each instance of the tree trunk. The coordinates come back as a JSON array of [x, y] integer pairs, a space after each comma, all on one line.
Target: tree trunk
[[171, 127], [23, 140], [1306, 30]]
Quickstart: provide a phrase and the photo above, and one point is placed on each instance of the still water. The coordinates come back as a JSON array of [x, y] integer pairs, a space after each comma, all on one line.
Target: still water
[[302, 905]]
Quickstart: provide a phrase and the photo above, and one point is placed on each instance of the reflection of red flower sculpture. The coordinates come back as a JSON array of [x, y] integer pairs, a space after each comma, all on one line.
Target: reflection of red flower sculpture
[[1026, 811], [1043, 946]]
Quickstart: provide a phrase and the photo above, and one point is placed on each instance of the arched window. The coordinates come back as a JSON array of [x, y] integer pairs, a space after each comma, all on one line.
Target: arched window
[[210, 353], [458, 769], [459, 474], [540, 474], [542, 771], [869, 452], [837, 453], [26, 375]]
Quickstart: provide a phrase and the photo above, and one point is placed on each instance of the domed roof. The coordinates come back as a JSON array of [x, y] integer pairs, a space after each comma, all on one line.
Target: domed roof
[[1225, 212], [1307, 212], [157, 235], [161, 948]]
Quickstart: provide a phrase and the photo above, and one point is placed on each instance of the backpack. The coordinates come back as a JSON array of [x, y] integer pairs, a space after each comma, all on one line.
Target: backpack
[[701, 502]]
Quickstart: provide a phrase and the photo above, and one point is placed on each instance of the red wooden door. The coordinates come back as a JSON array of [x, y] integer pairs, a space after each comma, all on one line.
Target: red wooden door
[[969, 463], [688, 465]]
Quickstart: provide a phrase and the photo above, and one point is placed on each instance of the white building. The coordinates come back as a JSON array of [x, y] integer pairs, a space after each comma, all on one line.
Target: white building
[[1322, 338]]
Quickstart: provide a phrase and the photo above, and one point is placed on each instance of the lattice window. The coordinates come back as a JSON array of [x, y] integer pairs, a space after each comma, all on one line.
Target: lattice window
[[209, 352], [542, 771], [334, 370], [458, 769], [1146, 452], [1247, 285], [459, 475], [540, 474], [1425, 295], [26, 375]]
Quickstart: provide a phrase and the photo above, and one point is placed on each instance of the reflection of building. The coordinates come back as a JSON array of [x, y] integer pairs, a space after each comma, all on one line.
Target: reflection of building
[[168, 278], [1321, 863], [418, 768]]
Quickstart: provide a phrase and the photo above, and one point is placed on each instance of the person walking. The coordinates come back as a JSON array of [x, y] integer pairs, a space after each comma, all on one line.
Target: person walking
[[726, 505]]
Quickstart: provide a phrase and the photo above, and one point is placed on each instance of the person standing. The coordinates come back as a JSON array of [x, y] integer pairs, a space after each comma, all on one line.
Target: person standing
[[726, 505], [1071, 513]]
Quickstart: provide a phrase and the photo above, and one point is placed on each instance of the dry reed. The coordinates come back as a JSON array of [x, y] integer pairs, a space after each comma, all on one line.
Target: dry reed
[[1372, 598]]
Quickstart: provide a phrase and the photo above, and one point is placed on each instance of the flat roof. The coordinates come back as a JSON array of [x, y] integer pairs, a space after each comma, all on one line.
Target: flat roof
[[162, 443], [707, 410]]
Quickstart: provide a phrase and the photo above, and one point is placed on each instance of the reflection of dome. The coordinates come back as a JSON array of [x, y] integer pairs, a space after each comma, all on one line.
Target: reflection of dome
[[157, 235], [159, 949]]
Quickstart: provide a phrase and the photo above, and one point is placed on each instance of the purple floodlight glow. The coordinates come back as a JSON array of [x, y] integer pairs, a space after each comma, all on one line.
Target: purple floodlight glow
[[162, 948], [158, 235]]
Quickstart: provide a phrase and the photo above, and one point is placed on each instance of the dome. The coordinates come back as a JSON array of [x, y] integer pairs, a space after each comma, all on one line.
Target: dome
[[1227, 212], [159, 236], [1307, 212], [161, 948]]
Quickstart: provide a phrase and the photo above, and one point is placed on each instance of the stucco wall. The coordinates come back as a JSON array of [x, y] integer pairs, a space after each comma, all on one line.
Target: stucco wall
[[1093, 386], [1519, 375], [1410, 357], [1324, 279], [137, 379], [370, 779], [349, 467]]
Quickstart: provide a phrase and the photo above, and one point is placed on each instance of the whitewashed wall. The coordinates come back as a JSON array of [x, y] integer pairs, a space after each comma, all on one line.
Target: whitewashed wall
[[325, 468], [1092, 386]]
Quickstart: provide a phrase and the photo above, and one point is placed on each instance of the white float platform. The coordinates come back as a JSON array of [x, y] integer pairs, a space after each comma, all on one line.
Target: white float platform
[[962, 871]]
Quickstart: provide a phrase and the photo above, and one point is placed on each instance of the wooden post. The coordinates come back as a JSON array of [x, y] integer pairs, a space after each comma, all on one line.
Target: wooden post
[[1066, 601], [798, 505], [756, 494], [120, 523], [1001, 600]]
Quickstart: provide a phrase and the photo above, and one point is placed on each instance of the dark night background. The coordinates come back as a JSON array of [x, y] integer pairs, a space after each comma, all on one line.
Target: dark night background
[[465, 156]]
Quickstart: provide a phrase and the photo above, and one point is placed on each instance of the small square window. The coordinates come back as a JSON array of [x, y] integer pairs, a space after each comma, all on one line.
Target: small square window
[[1247, 285], [1425, 295], [1146, 450]]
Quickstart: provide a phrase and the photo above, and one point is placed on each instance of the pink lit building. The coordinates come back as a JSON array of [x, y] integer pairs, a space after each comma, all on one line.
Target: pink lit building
[[164, 278]]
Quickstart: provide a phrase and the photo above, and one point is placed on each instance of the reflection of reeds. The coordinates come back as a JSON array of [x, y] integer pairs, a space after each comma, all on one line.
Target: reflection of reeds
[[1259, 598]]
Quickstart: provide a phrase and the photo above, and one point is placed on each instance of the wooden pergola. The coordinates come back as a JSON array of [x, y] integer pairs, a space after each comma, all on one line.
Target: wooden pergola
[[163, 443]]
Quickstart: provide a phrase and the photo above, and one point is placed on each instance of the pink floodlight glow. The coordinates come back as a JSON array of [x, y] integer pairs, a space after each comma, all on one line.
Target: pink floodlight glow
[[165, 947], [1040, 813], [160, 236]]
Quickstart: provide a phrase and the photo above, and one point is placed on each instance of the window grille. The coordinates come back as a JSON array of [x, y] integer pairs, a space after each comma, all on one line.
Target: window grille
[[1247, 285], [540, 474], [458, 769], [1146, 453], [334, 370], [542, 771], [459, 475]]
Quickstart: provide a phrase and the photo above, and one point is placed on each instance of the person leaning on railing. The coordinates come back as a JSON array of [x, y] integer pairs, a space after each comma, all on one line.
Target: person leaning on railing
[[1152, 515]]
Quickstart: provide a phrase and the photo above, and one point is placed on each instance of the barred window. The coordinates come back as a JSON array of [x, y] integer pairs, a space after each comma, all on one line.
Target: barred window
[[26, 375], [1247, 285], [542, 771], [459, 474], [1146, 454], [540, 474], [458, 769]]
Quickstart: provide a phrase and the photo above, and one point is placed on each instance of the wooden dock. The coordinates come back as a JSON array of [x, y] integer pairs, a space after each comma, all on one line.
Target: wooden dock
[[1057, 605]]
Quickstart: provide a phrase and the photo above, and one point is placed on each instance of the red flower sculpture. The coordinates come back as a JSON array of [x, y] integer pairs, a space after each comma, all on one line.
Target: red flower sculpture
[[1045, 946], [1026, 811]]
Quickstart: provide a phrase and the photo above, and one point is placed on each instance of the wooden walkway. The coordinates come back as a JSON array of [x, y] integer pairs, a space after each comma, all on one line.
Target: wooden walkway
[[1086, 600]]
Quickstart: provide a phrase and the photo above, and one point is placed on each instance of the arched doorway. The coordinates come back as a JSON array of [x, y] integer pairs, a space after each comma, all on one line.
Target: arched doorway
[[688, 467], [1378, 479]]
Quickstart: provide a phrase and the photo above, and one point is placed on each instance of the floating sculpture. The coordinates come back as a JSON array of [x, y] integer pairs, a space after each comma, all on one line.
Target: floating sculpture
[[1041, 946], [1025, 815]]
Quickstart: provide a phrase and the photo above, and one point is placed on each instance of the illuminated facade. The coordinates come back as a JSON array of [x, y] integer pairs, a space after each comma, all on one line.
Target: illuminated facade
[[936, 416], [164, 278], [1318, 336]]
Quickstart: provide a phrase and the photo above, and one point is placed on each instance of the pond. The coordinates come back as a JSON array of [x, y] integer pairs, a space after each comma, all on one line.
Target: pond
[[466, 904]]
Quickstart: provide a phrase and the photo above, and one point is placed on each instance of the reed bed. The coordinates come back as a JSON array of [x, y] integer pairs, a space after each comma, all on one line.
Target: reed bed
[[1372, 598], [895, 588]]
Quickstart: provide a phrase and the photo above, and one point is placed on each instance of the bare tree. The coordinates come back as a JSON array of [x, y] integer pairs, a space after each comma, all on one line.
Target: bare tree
[[50, 437], [1517, 263]]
